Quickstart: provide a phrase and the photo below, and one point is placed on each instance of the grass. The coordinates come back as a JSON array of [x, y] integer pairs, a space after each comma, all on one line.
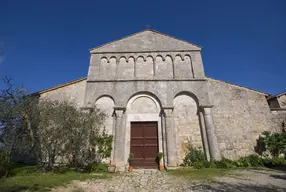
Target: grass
[[206, 174], [28, 179]]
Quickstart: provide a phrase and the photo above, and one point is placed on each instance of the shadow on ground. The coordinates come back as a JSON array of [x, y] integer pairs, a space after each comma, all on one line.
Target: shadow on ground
[[20, 189], [240, 187], [283, 177]]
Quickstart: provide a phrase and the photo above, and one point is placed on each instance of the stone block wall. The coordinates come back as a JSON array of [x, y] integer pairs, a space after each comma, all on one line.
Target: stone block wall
[[186, 124], [279, 117], [240, 115], [282, 101], [73, 92]]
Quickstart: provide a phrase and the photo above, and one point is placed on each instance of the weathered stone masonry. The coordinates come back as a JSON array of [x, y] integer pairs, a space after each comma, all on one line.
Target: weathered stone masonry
[[150, 76]]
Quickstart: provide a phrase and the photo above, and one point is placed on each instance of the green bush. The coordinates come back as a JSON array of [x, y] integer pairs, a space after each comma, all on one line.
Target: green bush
[[275, 162], [249, 161], [279, 161], [209, 164], [96, 167], [224, 163], [61, 169], [194, 155], [198, 165], [6, 163], [275, 143]]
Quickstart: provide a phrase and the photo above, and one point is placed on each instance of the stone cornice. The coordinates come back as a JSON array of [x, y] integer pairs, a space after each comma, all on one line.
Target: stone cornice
[[155, 51], [127, 80], [278, 109]]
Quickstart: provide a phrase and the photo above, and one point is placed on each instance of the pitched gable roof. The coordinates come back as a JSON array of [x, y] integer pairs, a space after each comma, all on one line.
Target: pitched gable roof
[[146, 41], [239, 86], [60, 86]]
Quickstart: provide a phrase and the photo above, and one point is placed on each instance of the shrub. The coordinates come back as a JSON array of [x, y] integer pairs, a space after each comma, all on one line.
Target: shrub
[[249, 161], [275, 143], [198, 165], [209, 164], [6, 163], [279, 161], [254, 161], [275, 162], [96, 167], [194, 155], [61, 169], [224, 163]]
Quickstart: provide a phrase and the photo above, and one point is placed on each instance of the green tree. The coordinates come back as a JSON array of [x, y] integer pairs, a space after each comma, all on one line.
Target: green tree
[[52, 131]]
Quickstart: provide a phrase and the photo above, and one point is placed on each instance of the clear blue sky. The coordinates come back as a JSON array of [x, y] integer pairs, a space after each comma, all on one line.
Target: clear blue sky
[[46, 43]]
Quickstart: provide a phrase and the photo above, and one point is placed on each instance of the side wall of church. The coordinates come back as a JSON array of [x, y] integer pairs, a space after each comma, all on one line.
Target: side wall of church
[[73, 93], [240, 116], [279, 118]]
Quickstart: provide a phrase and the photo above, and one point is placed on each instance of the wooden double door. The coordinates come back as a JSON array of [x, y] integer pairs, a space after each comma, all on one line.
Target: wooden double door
[[144, 144]]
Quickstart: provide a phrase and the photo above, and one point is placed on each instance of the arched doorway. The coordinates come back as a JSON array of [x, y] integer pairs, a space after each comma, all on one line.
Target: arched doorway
[[144, 130]]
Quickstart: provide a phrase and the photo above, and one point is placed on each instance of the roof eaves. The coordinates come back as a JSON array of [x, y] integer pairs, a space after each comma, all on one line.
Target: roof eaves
[[60, 86]]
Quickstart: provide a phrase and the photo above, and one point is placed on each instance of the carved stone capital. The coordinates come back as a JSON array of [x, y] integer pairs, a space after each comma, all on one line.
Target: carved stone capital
[[168, 111], [119, 111], [206, 109]]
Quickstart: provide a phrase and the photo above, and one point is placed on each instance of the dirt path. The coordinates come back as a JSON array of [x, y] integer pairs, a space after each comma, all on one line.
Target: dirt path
[[152, 180]]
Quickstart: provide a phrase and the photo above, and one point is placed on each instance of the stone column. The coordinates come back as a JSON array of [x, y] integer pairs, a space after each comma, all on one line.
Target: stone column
[[170, 137], [212, 140], [119, 137], [204, 135]]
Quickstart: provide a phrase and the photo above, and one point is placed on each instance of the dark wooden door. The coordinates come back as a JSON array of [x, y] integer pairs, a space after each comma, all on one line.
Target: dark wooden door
[[144, 144]]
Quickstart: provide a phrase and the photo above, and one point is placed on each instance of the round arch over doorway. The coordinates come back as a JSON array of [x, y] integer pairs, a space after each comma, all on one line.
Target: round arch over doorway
[[143, 130]]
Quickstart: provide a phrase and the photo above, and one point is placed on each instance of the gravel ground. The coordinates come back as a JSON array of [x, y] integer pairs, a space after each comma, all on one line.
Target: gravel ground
[[153, 180]]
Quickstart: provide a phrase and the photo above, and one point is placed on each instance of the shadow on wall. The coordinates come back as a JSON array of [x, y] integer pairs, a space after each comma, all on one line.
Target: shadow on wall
[[239, 187]]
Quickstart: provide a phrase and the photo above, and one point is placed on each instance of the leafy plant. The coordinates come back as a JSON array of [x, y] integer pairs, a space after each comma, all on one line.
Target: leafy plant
[[104, 143], [198, 165], [160, 156], [96, 167], [275, 162], [224, 163], [130, 158], [194, 155], [6, 163], [275, 143]]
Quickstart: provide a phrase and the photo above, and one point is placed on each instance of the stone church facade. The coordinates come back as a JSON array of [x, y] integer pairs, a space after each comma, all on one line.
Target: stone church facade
[[157, 99]]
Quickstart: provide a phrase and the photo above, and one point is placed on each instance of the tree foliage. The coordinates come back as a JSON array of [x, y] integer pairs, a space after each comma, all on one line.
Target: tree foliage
[[6, 163], [17, 118], [274, 143], [54, 132]]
